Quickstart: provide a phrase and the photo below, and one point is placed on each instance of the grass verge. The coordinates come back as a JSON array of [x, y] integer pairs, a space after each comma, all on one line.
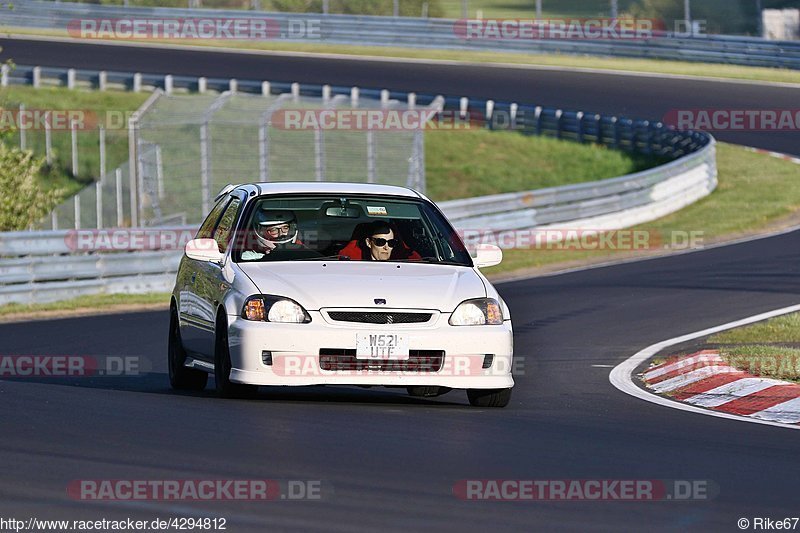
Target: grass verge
[[651, 66], [769, 349], [784, 328], [84, 305]]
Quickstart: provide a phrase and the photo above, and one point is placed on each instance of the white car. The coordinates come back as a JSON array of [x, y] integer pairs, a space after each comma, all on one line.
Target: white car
[[341, 284]]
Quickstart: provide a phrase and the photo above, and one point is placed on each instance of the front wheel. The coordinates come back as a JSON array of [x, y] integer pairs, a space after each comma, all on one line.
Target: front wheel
[[180, 377], [489, 397], [222, 368]]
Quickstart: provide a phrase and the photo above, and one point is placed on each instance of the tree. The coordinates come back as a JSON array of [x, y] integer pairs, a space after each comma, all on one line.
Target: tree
[[23, 201]]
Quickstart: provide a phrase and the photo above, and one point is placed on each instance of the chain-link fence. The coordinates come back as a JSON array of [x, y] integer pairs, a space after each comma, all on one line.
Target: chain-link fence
[[185, 148]]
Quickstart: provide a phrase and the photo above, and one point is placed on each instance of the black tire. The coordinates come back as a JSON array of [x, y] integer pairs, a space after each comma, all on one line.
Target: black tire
[[489, 397], [222, 367], [180, 377]]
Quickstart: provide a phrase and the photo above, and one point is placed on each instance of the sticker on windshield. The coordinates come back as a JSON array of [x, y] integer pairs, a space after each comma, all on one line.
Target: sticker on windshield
[[376, 211]]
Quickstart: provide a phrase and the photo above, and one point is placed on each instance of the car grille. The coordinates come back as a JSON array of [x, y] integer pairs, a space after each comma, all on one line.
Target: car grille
[[382, 317], [418, 361]]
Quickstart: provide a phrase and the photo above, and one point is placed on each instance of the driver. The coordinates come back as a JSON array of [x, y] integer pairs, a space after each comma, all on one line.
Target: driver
[[271, 228]]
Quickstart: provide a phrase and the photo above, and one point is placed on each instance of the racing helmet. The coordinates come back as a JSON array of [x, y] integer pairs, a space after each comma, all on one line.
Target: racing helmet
[[274, 226]]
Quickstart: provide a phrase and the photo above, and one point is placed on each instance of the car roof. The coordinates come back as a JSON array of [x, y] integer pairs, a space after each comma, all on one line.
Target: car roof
[[313, 187]]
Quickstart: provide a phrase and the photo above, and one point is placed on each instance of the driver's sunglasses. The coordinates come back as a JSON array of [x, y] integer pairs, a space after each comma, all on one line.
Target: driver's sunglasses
[[380, 241]]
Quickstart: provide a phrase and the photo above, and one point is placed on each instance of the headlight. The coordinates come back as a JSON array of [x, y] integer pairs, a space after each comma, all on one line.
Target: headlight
[[274, 309], [477, 312]]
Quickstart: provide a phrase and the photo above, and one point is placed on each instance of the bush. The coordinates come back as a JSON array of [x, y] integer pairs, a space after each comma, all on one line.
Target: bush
[[23, 201]]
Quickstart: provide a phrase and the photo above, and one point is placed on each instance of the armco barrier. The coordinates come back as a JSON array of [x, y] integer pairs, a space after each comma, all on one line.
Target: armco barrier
[[432, 33]]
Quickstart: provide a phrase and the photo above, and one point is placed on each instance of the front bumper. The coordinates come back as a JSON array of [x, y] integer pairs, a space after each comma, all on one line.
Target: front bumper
[[295, 351]]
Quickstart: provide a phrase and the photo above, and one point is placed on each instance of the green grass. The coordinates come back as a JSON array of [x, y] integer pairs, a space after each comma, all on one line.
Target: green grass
[[784, 328], [86, 303], [463, 164], [652, 66], [754, 192], [766, 361]]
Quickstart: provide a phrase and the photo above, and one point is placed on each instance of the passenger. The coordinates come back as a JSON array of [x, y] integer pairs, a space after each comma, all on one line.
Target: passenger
[[382, 244]]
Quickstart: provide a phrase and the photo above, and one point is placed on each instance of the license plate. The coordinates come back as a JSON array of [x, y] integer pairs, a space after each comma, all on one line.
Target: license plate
[[382, 346]]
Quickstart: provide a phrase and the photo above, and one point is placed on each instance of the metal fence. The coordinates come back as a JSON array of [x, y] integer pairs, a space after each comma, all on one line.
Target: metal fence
[[430, 33]]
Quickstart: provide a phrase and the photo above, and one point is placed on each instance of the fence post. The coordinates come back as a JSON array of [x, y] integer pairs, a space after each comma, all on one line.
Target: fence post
[[319, 154], [77, 202], [102, 80], [412, 100], [295, 91], [598, 118], [159, 173], [205, 167], [326, 93], [370, 156], [617, 133], [48, 139], [102, 134], [559, 114], [384, 97], [22, 135], [118, 191], [233, 85], [263, 151], [4, 75], [137, 82], [202, 85], [579, 126], [168, 84], [73, 130], [54, 219], [354, 94], [512, 111], [98, 190], [265, 88], [537, 115], [70, 78], [36, 77], [463, 104], [489, 114], [132, 169]]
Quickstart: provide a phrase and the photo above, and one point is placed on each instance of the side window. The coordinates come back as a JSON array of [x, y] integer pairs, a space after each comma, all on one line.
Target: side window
[[223, 232], [207, 227]]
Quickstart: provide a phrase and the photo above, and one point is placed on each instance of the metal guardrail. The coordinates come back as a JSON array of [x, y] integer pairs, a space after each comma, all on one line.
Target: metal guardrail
[[434, 33], [43, 264]]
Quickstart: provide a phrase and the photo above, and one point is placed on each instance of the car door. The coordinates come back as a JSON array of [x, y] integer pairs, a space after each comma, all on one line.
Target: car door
[[210, 285], [193, 314]]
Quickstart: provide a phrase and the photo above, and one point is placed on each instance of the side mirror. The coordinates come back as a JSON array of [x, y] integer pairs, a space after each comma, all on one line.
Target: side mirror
[[203, 250], [487, 255]]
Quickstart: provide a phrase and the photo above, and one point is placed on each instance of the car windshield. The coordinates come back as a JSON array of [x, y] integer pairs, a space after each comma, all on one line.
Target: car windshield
[[354, 228]]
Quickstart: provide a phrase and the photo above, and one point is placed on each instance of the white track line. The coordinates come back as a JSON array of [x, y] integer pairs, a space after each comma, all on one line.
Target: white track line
[[622, 375]]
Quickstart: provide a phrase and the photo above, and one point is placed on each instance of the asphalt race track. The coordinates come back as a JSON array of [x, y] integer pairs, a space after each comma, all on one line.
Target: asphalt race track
[[389, 461], [632, 96]]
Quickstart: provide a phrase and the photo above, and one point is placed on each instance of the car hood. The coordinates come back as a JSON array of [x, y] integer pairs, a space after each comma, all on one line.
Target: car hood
[[316, 285]]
